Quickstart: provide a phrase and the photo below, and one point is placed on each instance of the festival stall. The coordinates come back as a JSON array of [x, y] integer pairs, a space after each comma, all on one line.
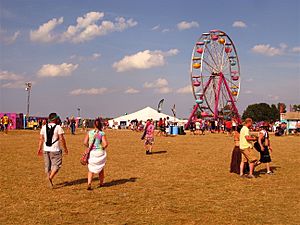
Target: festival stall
[[143, 115], [292, 120], [15, 120]]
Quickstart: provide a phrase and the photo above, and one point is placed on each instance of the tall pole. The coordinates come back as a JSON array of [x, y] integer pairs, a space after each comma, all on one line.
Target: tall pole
[[78, 109], [28, 89]]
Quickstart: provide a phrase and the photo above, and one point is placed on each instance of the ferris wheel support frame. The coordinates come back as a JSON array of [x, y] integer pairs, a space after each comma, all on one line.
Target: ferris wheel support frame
[[216, 113]]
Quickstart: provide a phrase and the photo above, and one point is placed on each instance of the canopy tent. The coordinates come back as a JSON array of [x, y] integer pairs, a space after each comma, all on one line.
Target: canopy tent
[[143, 115]]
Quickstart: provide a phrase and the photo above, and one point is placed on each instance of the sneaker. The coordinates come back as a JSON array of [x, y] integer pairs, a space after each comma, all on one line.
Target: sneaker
[[89, 188], [250, 176], [270, 173]]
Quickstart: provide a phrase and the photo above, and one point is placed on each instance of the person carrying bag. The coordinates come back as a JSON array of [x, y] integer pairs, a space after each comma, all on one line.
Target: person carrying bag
[[85, 156]]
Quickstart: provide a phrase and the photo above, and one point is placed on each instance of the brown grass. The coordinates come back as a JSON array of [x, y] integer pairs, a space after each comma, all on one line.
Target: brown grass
[[186, 182]]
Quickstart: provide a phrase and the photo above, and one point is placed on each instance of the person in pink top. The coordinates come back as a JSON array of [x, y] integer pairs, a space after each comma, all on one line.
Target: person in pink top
[[149, 137]]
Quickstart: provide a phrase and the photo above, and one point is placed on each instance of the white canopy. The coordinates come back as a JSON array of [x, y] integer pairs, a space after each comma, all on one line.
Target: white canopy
[[143, 115]]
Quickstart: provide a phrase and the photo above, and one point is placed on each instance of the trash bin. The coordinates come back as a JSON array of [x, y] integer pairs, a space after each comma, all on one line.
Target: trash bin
[[180, 130], [171, 129], [175, 130]]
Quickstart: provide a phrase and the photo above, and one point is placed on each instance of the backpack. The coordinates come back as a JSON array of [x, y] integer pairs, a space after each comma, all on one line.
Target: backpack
[[49, 134]]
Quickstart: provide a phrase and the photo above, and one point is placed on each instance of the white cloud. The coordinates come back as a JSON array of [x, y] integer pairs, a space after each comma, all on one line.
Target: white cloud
[[187, 25], [52, 70], [12, 80], [266, 49], [165, 30], [163, 90], [6, 75], [43, 33], [14, 84], [144, 60], [92, 57], [131, 91], [158, 28], [87, 28], [159, 83], [160, 86], [91, 91], [7, 38], [239, 24], [96, 55], [296, 49], [185, 90], [155, 27]]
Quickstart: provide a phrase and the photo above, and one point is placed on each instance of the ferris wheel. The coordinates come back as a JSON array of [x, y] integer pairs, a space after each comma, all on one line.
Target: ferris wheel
[[215, 76]]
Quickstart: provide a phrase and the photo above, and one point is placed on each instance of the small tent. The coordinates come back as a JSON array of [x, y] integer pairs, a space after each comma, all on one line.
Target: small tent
[[292, 119], [142, 115]]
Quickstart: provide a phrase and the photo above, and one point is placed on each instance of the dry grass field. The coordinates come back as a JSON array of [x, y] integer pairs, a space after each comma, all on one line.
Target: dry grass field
[[186, 181]]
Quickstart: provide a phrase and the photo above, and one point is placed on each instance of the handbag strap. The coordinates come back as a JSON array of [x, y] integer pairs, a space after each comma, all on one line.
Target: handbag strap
[[94, 139]]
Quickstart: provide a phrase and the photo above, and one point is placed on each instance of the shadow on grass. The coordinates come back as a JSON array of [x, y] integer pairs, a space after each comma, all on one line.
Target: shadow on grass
[[159, 152], [106, 184], [264, 170], [119, 182]]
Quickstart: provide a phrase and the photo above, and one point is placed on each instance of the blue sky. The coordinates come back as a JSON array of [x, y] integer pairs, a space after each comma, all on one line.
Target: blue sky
[[110, 57]]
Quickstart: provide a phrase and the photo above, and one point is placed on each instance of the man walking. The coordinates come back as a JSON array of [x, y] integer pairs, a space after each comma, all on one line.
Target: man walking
[[246, 148], [50, 136]]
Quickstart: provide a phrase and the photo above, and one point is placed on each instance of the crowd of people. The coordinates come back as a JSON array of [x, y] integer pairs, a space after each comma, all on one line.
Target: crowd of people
[[200, 126], [243, 160]]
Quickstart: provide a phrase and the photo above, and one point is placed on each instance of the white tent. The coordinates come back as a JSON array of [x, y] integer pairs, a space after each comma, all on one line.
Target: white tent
[[143, 115]]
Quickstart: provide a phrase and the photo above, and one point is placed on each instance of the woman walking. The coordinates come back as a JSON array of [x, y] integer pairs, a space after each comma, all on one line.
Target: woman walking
[[263, 146], [96, 140]]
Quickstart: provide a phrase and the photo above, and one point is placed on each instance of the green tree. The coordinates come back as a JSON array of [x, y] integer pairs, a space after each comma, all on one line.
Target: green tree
[[281, 107], [275, 115], [260, 112], [296, 108]]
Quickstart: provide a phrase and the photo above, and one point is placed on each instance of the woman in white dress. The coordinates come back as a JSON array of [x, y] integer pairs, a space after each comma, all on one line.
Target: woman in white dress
[[96, 139]]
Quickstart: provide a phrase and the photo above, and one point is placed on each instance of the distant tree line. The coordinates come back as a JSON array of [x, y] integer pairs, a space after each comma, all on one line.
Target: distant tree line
[[264, 112]]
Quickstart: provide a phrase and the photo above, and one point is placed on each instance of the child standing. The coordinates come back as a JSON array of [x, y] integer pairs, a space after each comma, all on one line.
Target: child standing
[[149, 137]]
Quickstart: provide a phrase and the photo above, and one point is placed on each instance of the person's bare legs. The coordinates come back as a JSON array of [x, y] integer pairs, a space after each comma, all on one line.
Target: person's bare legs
[[268, 168], [146, 148], [242, 168], [150, 148], [101, 177], [90, 178], [251, 168], [53, 173], [50, 175]]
